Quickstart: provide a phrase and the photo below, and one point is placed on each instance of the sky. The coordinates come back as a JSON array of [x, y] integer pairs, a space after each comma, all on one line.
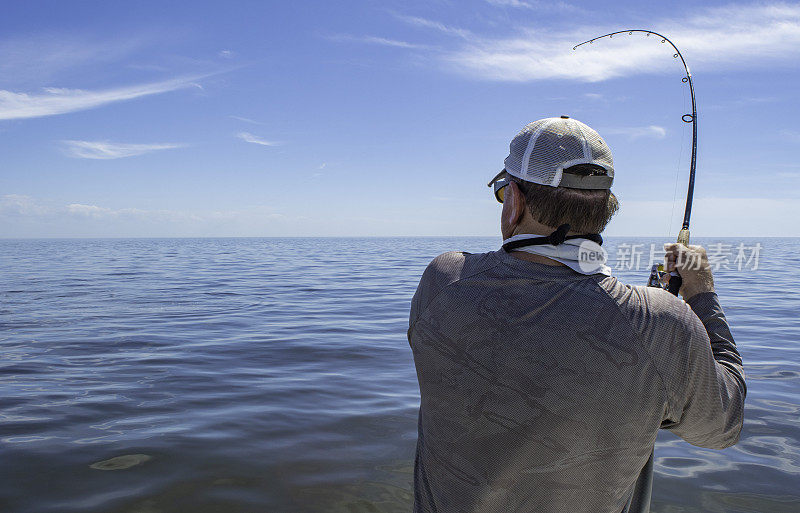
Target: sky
[[384, 118]]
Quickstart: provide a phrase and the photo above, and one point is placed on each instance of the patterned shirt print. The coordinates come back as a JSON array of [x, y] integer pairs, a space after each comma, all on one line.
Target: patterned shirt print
[[542, 390]]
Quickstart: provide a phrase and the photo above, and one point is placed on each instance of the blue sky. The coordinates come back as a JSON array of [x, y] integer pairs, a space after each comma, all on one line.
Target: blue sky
[[136, 119]]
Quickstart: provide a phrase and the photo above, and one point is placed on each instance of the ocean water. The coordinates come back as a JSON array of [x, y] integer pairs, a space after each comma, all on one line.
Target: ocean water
[[274, 375]]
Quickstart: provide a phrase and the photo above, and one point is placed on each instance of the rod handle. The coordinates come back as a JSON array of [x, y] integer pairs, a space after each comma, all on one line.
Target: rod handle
[[675, 280]]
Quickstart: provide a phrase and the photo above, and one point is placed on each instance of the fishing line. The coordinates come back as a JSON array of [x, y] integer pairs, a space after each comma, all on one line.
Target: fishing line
[[677, 172]]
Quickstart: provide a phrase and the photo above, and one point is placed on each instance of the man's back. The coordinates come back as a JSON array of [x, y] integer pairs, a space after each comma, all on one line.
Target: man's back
[[543, 389]]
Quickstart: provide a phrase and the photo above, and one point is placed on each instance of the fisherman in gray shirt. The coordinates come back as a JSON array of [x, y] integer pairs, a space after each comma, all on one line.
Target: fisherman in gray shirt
[[543, 379]]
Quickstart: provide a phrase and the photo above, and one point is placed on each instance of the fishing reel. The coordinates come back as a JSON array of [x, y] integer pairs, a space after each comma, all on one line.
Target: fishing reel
[[658, 279], [658, 276]]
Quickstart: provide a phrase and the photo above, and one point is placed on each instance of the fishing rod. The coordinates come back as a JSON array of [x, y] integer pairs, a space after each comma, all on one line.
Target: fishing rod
[[657, 272]]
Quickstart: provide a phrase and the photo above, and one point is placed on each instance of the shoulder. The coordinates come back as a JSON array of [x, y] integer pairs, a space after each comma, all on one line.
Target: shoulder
[[649, 308], [451, 258], [445, 270], [452, 266]]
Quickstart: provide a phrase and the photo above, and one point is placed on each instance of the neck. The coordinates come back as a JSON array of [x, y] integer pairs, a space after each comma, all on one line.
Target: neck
[[534, 228]]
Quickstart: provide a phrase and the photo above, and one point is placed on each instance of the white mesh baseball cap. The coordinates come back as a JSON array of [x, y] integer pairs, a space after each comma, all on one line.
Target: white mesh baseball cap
[[544, 151]]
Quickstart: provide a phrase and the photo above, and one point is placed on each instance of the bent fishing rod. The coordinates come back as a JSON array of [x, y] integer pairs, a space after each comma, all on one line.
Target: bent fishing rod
[[657, 272]]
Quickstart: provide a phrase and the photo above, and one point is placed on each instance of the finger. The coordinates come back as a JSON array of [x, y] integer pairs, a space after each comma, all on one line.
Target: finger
[[675, 248], [678, 255], [674, 244]]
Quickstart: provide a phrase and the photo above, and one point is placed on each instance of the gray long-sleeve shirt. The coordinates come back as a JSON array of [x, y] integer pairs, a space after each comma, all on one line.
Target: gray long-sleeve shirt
[[543, 390]]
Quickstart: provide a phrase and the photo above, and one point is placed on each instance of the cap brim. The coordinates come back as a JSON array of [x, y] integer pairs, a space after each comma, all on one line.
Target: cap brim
[[497, 177]]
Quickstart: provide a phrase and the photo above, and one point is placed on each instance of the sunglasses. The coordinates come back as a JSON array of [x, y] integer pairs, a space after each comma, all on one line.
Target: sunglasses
[[499, 183]]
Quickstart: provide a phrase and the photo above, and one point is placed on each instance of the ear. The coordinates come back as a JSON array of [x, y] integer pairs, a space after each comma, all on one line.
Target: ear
[[513, 206]]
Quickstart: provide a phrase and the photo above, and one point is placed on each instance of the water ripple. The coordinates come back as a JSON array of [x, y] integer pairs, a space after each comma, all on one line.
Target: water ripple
[[275, 375]]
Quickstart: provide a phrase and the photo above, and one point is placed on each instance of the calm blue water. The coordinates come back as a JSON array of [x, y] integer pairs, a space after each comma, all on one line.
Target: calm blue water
[[274, 375]]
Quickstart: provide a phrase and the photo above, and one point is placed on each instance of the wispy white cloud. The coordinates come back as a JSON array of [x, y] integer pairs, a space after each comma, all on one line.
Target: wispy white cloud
[[509, 3], [39, 57], [15, 205], [437, 26], [247, 120], [25, 216], [104, 150], [20, 205], [79, 210], [534, 5], [373, 40], [637, 132], [147, 67], [318, 172], [248, 137], [55, 101], [225, 54], [735, 103], [390, 42], [730, 37], [790, 135], [89, 210]]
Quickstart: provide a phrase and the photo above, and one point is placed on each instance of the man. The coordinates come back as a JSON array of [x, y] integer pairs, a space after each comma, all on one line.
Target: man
[[543, 379]]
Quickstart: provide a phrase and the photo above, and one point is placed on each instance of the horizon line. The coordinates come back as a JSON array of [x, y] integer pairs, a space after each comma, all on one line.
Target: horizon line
[[379, 237]]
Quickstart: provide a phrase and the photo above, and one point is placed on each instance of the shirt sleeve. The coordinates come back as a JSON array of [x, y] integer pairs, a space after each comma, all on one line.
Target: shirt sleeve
[[415, 307], [709, 403]]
